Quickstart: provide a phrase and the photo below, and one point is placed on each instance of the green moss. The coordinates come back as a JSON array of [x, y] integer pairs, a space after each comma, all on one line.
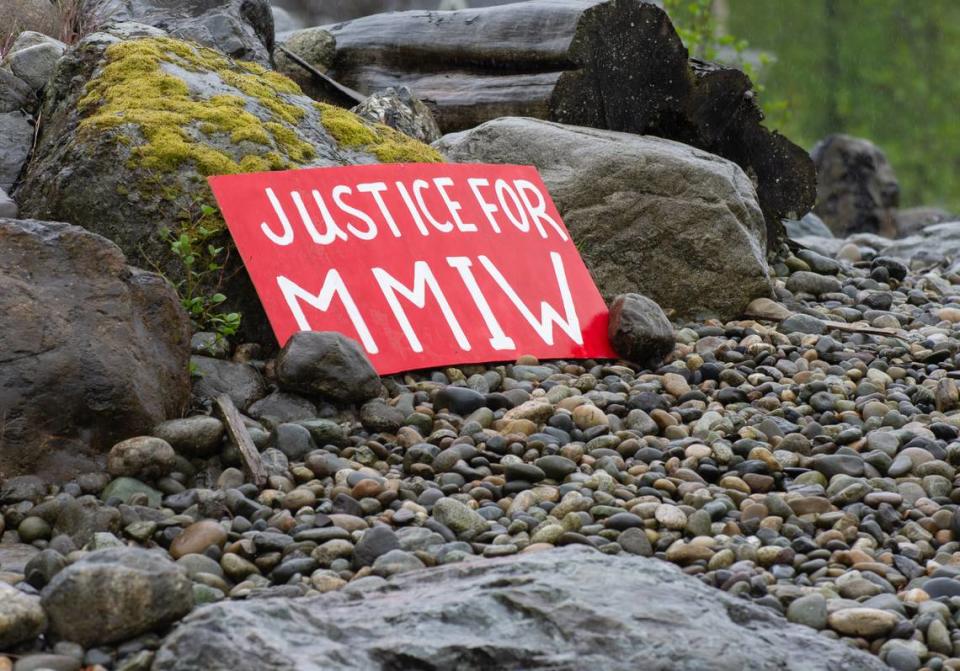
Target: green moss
[[345, 127], [385, 143], [395, 147], [177, 127], [133, 89]]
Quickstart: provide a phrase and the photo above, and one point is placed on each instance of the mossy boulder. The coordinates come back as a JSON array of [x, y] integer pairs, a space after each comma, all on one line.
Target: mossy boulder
[[135, 122]]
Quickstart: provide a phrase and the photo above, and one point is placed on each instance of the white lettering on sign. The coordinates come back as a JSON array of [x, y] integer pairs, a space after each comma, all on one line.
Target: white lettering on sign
[[424, 264], [424, 280], [548, 316], [520, 201], [498, 339], [333, 284]]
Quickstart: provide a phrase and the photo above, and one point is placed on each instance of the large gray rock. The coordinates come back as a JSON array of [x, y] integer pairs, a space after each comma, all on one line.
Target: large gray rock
[[857, 191], [16, 137], [130, 174], [21, 617], [328, 364], [114, 595], [242, 29], [565, 609], [94, 351], [649, 216], [33, 58]]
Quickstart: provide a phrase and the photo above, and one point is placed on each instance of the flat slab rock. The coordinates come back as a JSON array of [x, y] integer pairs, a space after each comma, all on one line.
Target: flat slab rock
[[569, 608]]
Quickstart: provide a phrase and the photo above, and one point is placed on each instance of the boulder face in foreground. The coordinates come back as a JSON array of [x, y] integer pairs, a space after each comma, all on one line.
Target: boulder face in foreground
[[91, 350], [565, 609], [649, 216], [116, 594]]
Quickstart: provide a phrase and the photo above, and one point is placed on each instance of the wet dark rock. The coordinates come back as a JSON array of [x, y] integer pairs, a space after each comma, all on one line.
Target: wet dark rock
[[639, 331], [327, 364], [379, 417], [294, 440], [376, 541], [461, 400], [282, 407], [681, 622], [857, 190]]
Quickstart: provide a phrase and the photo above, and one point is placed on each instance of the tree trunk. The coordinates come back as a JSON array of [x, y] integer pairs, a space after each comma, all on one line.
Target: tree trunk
[[611, 64]]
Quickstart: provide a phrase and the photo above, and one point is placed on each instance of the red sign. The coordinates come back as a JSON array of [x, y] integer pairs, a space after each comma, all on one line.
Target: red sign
[[424, 264]]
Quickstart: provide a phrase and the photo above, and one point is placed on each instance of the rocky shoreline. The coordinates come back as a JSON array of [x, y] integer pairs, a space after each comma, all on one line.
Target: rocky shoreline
[[769, 482], [805, 468]]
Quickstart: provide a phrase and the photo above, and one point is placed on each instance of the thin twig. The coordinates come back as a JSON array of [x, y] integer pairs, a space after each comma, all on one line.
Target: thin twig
[[347, 95]]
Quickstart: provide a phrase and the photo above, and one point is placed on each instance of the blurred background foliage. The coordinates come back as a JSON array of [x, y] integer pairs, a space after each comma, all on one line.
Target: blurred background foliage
[[885, 70]]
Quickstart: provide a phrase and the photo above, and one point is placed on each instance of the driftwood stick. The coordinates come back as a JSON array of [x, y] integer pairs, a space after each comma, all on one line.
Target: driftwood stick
[[778, 313], [868, 330], [240, 437], [341, 95]]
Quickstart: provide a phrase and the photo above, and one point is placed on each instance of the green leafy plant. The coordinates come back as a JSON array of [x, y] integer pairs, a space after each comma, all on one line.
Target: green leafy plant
[[697, 26], [203, 265]]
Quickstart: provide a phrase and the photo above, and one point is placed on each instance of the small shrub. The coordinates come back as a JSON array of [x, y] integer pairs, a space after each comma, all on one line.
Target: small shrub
[[696, 25], [202, 262]]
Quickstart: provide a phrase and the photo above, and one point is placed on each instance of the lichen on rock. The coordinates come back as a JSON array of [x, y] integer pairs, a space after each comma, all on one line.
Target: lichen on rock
[[388, 145], [137, 87]]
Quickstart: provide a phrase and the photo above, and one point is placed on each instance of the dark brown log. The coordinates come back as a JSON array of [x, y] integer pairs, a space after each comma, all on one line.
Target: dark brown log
[[728, 121], [612, 64], [240, 437]]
